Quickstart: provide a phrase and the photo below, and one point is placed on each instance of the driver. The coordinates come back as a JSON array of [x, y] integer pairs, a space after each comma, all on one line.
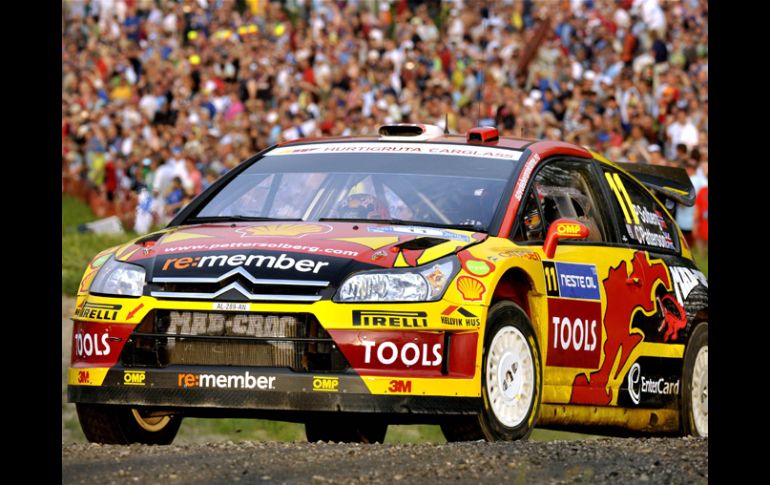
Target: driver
[[363, 206]]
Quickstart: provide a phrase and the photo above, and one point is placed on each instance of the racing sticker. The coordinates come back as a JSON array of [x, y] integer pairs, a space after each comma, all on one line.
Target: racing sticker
[[419, 231], [267, 265], [387, 318], [574, 333], [571, 280], [471, 288], [98, 311], [686, 280], [668, 322], [623, 302], [651, 382], [97, 343], [574, 315], [408, 353], [459, 317], [284, 230], [395, 147], [475, 266]]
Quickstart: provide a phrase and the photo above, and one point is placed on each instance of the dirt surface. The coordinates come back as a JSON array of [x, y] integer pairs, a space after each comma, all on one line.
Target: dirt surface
[[653, 460]]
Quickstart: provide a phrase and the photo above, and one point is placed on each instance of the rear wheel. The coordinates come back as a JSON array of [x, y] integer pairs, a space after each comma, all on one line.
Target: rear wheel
[[346, 430], [121, 425], [511, 381], [695, 380]]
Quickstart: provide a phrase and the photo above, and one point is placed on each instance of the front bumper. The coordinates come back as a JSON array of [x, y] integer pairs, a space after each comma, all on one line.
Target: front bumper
[[193, 389]]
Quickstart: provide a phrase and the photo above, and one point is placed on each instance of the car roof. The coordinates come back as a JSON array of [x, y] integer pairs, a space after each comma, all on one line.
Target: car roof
[[544, 148]]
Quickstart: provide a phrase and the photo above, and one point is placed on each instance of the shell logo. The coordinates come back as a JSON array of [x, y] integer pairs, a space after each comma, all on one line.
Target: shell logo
[[285, 230], [471, 288]]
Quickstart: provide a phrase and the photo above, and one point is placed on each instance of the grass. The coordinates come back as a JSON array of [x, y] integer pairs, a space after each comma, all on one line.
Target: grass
[[77, 249], [702, 261]]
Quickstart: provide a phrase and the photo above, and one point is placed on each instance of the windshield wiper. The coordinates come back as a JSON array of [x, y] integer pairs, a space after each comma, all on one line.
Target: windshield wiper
[[461, 227], [239, 218]]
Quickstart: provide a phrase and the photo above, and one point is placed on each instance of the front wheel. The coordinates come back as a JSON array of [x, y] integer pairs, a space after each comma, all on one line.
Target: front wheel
[[695, 380], [510, 381], [120, 425]]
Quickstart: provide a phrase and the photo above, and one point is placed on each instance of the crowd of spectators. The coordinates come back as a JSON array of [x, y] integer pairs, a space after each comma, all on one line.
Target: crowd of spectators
[[160, 98]]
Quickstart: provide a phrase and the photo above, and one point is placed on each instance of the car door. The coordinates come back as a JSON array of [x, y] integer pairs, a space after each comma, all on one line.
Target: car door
[[591, 285], [666, 286]]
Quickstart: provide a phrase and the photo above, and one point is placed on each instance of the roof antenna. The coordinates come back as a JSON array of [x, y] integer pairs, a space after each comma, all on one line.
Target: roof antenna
[[446, 123]]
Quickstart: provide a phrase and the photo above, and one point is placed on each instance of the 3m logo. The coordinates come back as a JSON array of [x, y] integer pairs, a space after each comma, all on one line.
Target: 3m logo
[[84, 377], [326, 384], [551, 279], [398, 385], [133, 377]]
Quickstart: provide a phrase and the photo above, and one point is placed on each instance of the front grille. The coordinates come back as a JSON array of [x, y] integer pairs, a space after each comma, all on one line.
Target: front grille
[[237, 285], [296, 341]]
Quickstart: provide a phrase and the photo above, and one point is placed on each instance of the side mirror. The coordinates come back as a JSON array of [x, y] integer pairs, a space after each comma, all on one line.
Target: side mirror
[[563, 229]]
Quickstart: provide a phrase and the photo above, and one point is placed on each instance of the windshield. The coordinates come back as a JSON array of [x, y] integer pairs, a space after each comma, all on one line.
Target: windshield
[[315, 182]]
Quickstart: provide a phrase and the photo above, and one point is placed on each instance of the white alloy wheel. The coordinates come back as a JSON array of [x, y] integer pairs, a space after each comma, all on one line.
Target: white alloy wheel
[[510, 376], [700, 391]]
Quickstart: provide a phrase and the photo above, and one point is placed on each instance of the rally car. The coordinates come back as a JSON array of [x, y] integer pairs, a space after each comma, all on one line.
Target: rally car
[[486, 284]]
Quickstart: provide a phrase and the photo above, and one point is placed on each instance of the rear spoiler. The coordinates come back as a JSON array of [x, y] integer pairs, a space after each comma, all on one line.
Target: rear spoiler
[[668, 182]]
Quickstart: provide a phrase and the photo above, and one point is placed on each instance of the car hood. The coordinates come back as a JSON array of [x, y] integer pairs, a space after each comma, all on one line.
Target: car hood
[[289, 250]]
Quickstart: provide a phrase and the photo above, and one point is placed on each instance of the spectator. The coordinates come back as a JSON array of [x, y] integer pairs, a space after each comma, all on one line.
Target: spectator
[[685, 216], [701, 222], [174, 197], [161, 80]]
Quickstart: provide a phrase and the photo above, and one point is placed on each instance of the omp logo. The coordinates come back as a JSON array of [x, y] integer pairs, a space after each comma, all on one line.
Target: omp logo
[[326, 384], [133, 377], [378, 318], [233, 381], [566, 229], [638, 385], [398, 385], [282, 261]]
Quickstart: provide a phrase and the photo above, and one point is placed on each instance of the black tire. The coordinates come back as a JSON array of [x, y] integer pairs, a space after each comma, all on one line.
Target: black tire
[[698, 341], [346, 430], [121, 425], [486, 425]]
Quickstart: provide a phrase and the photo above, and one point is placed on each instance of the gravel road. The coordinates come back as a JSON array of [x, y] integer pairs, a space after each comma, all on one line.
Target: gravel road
[[653, 460]]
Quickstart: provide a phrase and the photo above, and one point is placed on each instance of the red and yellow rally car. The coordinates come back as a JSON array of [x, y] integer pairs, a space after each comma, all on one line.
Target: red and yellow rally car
[[486, 284]]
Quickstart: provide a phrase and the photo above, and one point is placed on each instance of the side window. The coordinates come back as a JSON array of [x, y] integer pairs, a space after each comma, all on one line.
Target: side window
[[562, 189], [642, 220]]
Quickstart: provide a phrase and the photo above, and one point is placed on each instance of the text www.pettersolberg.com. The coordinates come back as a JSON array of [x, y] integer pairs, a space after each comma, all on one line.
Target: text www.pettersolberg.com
[[261, 245]]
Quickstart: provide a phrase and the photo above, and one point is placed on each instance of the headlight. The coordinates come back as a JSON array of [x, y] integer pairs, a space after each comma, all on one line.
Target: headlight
[[425, 283], [116, 278]]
